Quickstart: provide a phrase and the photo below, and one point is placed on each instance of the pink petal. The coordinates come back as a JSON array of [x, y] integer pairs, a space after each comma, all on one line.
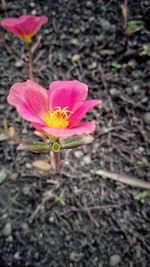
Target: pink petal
[[25, 112], [39, 21], [38, 125], [81, 111], [30, 25], [9, 24], [84, 128], [24, 25], [19, 98], [17, 94], [37, 97], [70, 94]]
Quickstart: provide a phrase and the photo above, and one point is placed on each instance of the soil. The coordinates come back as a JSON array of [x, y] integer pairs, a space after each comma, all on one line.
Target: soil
[[89, 221]]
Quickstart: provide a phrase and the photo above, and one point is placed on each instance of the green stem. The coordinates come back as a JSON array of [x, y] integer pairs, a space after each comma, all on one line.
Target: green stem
[[30, 72], [55, 160]]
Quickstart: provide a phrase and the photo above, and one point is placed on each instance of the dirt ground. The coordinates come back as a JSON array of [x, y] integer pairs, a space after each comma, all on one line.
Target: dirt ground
[[89, 221]]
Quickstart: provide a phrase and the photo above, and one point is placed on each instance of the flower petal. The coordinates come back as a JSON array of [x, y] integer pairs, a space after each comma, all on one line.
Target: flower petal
[[81, 111], [30, 25], [25, 103], [26, 113], [39, 21], [70, 94], [24, 25], [9, 24], [38, 125], [84, 128], [37, 97]]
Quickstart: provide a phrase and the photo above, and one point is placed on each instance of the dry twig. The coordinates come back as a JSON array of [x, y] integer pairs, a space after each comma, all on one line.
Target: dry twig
[[123, 179]]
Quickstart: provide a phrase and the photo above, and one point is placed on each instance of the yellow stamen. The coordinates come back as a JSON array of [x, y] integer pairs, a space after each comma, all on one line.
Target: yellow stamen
[[58, 118], [26, 38]]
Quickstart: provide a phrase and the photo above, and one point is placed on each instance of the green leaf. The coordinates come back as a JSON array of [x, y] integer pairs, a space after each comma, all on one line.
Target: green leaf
[[59, 198], [100, 38], [146, 50], [35, 147], [133, 26], [141, 196], [75, 141], [116, 65]]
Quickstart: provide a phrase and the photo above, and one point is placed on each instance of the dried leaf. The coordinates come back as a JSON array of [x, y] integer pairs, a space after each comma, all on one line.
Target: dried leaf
[[41, 165], [107, 52]]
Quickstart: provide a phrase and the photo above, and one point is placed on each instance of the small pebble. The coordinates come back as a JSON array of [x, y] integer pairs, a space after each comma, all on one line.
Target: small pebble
[[19, 64], [7, 230], [92, 66], [78, 154], [88, 4], [13, 176], [129, 90], [40, 235], [77, 31], [33, 12], [28, 165], [141, 149], [74, 41], [136, 88], [74, 256], [146, 118], [24, 227], [87, 159], [132, 64], [16, 256], [24, 131], [26, 190], [3, 175], [113, 91], [144, 100], [32, 4], [114, 260], [51, 219], [4, 216]]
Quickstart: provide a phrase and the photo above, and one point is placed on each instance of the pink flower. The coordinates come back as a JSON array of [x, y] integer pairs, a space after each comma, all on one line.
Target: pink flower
[[24, 27], [56, 112]]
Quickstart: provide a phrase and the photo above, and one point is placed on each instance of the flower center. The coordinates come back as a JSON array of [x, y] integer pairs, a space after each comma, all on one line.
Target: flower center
[[27, 38], [58, 118]]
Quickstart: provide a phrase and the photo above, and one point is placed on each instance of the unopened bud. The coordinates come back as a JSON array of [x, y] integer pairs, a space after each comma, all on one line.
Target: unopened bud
[[56, 147]]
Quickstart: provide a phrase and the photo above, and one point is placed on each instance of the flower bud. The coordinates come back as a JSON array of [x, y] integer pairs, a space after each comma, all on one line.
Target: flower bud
[[56, 147]]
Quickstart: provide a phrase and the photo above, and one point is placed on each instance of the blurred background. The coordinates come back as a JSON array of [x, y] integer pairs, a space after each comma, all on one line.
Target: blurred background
[[88, 221]]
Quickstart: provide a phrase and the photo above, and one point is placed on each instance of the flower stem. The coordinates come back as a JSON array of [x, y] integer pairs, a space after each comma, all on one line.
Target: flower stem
[[55, 160], [30, 72]]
